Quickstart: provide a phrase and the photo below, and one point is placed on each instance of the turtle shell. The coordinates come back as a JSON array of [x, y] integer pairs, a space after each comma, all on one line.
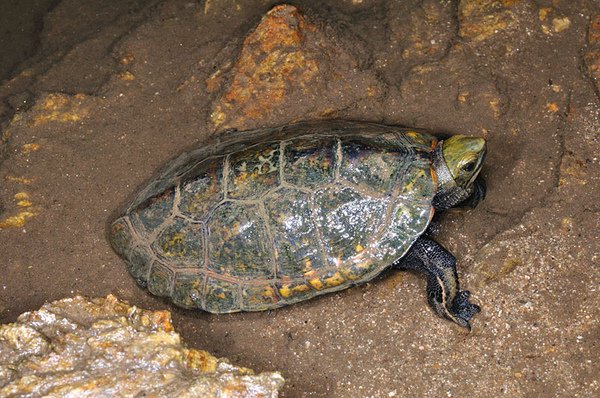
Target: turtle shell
[[261, 219]]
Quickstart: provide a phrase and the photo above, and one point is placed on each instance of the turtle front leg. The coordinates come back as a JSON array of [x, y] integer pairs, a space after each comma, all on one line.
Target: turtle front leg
[[443, 291], [477, 196]]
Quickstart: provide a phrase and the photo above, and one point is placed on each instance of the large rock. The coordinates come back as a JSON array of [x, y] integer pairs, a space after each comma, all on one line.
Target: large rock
[[103, 347]]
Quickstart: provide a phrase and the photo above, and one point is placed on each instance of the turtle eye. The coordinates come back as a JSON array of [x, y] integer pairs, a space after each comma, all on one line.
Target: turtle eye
[[469, 167]]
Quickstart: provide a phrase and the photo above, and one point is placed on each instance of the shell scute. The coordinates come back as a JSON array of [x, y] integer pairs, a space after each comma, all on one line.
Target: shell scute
[[238, 243], [188, 290], [221, 296], [202, 189], [160, 280], [181, 243], [347, 219], [372, 167], [294, 232], [253, 172], [310, 162], [121, 237], [151, 213], [258, 298], [139, 263]]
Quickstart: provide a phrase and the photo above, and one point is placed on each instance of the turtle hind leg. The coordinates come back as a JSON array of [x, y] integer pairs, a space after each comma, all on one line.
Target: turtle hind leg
[[443, 291]]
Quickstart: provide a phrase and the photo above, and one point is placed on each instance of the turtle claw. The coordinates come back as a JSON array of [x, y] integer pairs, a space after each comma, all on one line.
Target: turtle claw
[[463, 310]]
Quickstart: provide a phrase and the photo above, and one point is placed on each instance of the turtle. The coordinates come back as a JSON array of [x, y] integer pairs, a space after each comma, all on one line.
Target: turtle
[[256, 220]]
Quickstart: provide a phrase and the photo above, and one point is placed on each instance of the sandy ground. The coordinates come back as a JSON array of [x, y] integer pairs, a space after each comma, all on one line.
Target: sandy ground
[[116, 89]]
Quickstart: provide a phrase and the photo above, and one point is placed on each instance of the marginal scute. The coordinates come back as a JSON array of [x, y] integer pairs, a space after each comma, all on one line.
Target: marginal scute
[[221, 296], [253, 172], [120, 237], [160, 281], [139, 263], [188, 290], [294, 291], [418, 184], [238, 243], [259, 297], [297, 245], [408, 221]]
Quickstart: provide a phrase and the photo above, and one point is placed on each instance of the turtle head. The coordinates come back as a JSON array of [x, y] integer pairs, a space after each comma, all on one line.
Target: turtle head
[[457, 162], [464, 158]]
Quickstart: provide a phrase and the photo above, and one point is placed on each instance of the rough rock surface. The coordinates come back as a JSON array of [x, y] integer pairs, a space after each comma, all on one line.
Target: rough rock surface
[[117, 88], [106, 348]]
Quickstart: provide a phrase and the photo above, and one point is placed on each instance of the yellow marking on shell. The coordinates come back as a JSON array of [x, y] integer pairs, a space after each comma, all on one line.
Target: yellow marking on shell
[[175, 240], [307, 266], [300, 288], [334, 280], [268, 292], [317, 283], [24, 203], [285, 291], [358, 248]]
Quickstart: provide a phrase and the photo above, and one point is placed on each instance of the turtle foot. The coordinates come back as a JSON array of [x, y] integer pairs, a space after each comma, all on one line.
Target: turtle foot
[[463, 310]]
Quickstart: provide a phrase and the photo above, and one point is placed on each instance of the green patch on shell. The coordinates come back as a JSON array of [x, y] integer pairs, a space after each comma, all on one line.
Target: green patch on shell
[[258, 298], [139, 263], [238, 242], [181, 243], [376, 169], [120, 237], [188, 290], [418, 184], [253, 172], [221, 296], [153, 211]]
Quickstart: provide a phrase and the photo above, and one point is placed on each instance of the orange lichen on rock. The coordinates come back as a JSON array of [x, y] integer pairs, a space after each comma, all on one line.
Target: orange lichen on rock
[[27, 148], [26, 211], [19, 180], [272, 59], [59, 108], [481, 19], [105, 347]]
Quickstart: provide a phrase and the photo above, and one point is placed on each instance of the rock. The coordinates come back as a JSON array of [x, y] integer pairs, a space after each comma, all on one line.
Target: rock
[[103, 347], [285, 60], [592, 55]]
